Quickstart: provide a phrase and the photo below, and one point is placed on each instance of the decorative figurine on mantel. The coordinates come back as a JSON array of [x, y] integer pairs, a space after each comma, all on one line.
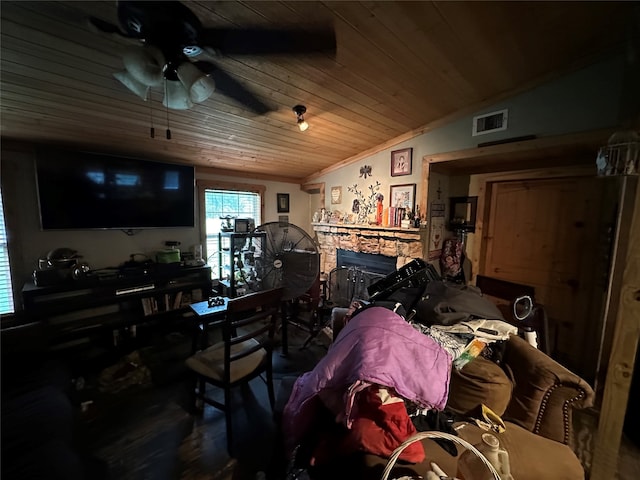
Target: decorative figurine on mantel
[[406, 221], [379, 208], [416, 218], [324, 215]]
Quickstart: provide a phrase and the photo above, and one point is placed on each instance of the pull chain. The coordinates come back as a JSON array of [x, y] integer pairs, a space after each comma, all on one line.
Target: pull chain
[[167, 102], [152, 131]]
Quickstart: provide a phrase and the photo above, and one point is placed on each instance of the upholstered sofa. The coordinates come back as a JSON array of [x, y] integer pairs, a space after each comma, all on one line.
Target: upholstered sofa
[[533, 394]]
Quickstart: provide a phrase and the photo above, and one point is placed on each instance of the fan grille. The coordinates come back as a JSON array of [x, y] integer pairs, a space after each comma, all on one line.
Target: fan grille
[[291, 259]]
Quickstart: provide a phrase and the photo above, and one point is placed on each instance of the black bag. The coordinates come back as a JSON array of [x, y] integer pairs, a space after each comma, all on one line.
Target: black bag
[[445, 303]]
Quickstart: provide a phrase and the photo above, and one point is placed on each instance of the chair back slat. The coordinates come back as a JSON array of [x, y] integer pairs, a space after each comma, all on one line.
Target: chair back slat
[[248, 351], [254, 300], [256, 333], [252, 316]]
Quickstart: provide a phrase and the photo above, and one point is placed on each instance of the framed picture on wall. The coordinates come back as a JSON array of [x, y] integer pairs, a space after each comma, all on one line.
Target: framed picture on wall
[[401, 161], [283, 202], [403, 196], [336, 195]]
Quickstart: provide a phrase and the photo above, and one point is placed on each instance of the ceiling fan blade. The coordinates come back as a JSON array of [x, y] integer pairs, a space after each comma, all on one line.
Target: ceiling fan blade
[[106, 27], [230, 87], [257, 41], [165, 23]]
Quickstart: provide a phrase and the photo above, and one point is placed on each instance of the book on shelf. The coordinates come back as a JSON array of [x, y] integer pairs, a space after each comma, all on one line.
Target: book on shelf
[[166, 302], [146, 306], [177, 301]]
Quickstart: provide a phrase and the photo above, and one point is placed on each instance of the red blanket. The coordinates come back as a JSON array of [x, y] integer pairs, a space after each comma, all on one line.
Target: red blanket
[[380, 425]]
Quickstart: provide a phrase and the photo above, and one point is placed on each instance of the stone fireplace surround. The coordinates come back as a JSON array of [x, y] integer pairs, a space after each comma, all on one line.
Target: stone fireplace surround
[[403, 243]]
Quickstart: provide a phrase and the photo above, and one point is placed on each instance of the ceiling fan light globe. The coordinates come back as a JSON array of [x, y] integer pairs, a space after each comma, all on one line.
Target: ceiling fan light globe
[[302, 125], [132, 84], [202, 89], [176, 96], [145, 64], [199, 85]]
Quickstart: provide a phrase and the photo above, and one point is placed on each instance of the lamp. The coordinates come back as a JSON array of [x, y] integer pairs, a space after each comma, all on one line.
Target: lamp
[[176, 96], [300, 110], [145, 65], [199, 85], [143, 69], [132, 84]]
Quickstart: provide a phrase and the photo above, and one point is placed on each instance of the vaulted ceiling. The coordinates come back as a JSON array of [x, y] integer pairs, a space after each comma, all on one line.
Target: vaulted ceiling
[[399, 68]]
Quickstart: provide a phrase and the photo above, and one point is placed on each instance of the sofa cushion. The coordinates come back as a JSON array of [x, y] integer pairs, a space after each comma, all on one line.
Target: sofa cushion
[[531, 457], [480, 381]]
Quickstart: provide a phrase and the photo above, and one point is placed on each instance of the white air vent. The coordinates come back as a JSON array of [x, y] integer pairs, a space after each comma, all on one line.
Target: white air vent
[[490, 122]]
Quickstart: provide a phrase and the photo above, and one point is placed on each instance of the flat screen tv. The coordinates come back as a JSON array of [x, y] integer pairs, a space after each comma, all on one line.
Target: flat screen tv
[[85, 190]]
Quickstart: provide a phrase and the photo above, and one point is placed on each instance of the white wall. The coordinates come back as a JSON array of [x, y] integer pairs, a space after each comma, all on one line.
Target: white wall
[[588, 99]]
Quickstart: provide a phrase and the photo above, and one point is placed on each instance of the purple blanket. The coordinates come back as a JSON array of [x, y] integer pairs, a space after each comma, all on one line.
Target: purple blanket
[[377, 346]]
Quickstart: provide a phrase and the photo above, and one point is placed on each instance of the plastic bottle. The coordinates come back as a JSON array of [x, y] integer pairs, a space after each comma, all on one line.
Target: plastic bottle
[[471, 467]]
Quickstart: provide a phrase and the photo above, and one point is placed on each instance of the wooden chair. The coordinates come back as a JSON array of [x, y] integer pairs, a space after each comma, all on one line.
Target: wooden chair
[[307, 312], [340, 288], [244, 353]]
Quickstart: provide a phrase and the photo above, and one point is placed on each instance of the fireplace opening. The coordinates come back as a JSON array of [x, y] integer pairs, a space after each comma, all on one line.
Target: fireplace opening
[[369, 262], [354, 273]]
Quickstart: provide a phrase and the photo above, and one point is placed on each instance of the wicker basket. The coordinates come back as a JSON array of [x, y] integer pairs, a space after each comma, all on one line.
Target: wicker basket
[[420, 435]]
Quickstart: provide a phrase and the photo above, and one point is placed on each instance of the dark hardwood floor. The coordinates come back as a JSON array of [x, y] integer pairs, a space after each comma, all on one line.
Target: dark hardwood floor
[[146, 431]]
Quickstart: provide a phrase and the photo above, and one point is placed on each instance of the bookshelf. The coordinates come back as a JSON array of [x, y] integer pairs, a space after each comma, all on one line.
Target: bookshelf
[[107, 311]]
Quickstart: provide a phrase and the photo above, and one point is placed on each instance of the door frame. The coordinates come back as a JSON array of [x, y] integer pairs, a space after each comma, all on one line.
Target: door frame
[[503, 161]]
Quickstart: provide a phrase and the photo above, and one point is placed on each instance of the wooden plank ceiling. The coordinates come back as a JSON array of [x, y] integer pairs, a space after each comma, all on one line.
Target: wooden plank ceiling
[[399, 67]]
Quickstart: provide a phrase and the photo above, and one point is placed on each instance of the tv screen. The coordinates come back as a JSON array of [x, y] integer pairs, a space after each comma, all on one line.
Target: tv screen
[[85, 190]]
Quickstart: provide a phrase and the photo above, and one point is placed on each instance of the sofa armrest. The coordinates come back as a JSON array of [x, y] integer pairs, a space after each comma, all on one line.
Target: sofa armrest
[[544, 392]]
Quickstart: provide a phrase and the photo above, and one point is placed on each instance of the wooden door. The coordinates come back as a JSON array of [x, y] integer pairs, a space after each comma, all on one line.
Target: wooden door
[[545, 233]]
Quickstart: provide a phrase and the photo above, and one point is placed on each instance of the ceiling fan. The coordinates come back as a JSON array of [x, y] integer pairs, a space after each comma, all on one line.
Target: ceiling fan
[[174, 43]]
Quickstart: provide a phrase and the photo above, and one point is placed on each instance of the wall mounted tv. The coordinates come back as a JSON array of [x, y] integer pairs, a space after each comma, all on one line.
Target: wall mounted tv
[[85, 190]]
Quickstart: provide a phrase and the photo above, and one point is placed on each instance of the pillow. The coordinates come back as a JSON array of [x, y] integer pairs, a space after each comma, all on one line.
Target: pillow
[[480, 381]]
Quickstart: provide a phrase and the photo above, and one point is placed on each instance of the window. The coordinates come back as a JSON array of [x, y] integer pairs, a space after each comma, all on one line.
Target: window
[[6, 292], [238, 201]]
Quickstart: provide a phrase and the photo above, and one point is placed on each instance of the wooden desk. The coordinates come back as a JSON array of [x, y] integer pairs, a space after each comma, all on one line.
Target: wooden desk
[[206, 316], [203, 310]]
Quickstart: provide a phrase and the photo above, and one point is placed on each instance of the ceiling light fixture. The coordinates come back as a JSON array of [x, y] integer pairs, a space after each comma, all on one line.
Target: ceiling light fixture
[[147, 67], [300, 110]]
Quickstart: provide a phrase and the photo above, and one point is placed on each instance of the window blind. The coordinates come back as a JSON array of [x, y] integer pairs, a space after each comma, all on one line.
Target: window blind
[[222, 203], [6, 291]]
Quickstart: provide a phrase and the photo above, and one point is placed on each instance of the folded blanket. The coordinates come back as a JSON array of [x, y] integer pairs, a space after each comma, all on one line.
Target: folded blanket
[[377, 346]]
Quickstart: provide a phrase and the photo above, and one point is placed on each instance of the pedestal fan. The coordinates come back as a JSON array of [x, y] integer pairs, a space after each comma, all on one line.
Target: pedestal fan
[[290, 260]]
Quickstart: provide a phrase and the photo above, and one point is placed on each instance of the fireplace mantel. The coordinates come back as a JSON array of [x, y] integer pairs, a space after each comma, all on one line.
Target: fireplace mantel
[[326, 227], [403, 243]]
